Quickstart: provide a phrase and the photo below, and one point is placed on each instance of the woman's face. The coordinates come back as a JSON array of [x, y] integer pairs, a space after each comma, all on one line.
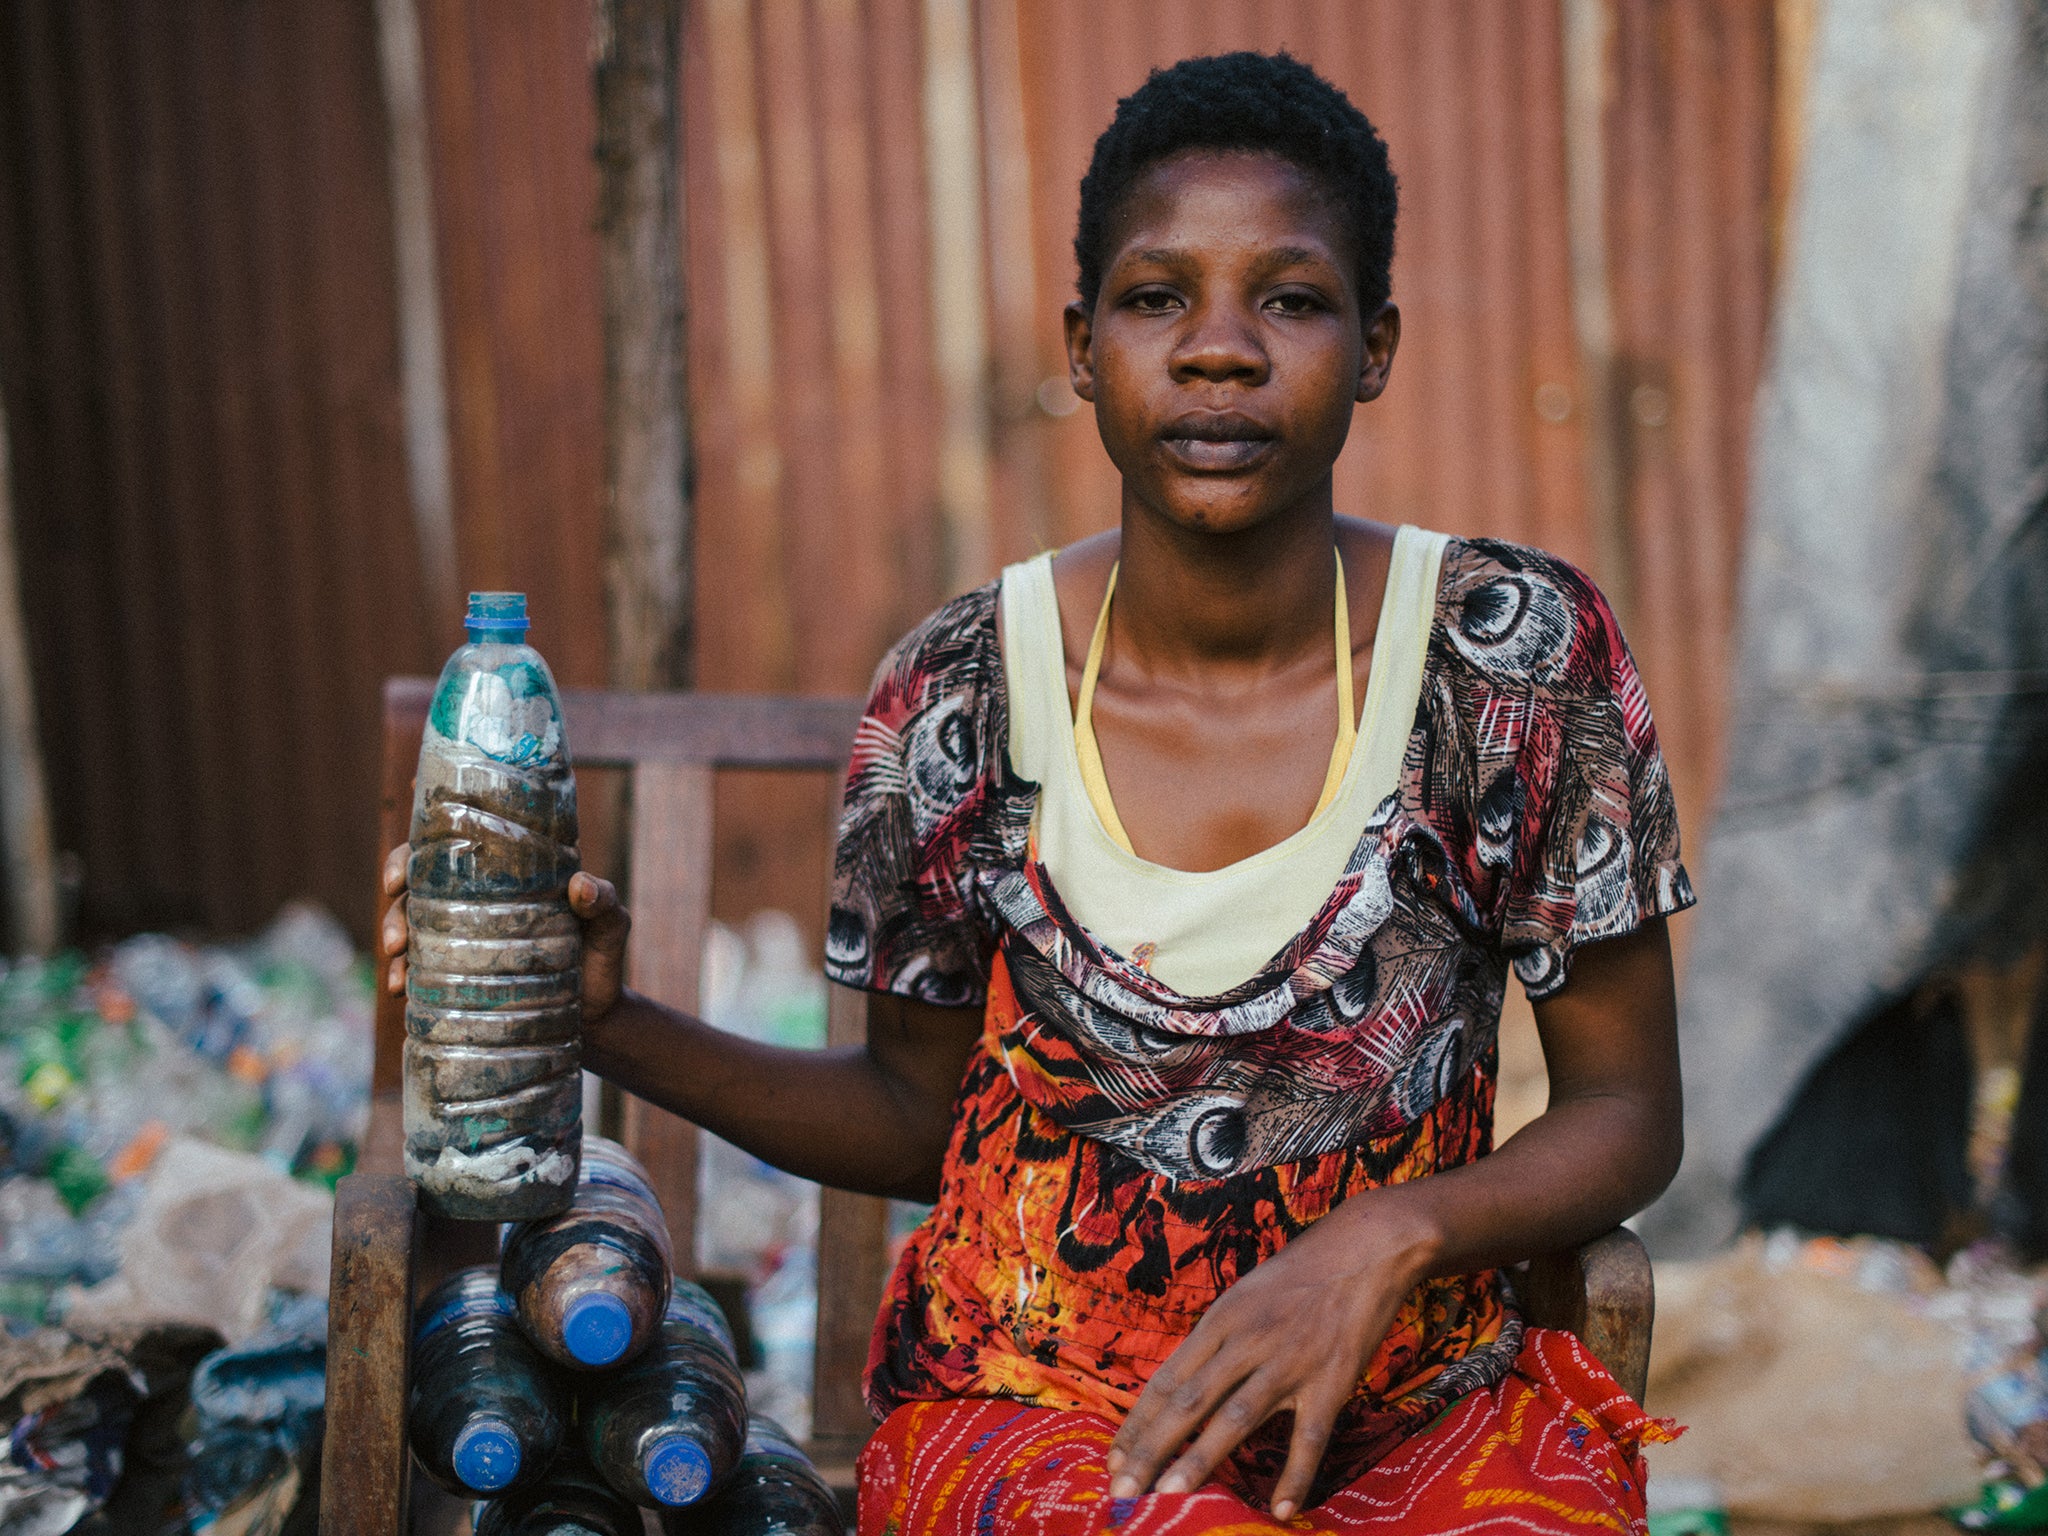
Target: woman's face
[[1226, 348]]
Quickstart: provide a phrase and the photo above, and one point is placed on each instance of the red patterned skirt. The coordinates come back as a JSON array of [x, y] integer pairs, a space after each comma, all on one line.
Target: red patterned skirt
[[1555, 1447]]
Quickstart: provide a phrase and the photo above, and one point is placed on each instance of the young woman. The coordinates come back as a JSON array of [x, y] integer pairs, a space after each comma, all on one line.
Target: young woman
[[1185, 868]]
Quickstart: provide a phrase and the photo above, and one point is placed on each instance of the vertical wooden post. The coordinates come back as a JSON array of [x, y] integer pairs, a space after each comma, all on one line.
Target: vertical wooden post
[[636, 51], [25, 841], [1018, 425], [853, 1256], [853, 1260], [671, 894], [647, 522], [369, 1358]]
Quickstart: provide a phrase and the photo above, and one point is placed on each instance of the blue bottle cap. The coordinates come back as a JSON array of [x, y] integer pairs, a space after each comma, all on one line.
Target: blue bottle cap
[[597, 1328], [678, 1471], [498, 613], [486, 1454]]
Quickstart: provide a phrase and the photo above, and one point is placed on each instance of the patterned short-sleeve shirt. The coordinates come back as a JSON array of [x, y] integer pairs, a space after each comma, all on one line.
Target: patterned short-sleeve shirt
[[1121, 1151]]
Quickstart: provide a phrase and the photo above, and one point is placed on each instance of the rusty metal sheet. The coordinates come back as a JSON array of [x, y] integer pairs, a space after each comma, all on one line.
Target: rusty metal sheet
[[199, 358], [197, 343]]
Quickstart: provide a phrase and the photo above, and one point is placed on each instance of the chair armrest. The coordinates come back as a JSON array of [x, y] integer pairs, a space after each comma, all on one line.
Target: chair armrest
[[369, 1337], [1602, 1292]]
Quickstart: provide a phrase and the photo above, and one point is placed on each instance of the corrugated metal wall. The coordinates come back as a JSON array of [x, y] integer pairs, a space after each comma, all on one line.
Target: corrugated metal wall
[[512, 121], [198, 349], [1484, 428], [811, 379], [1690, 203], [809, 356]]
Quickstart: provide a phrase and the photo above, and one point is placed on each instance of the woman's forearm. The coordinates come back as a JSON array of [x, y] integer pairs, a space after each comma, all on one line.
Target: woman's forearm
[[1606, 1147], [836, 1116], [1576, 1171]]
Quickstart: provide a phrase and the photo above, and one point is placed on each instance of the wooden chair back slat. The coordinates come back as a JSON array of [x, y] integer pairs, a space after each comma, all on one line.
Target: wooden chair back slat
[[608, 730], [728, 730], [853, 1257], [670, 900]]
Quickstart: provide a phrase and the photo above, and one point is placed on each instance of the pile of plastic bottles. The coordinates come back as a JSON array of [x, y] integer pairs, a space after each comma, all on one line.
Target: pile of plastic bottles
[[578, 1381], [263, 1046], [2007, 1410]]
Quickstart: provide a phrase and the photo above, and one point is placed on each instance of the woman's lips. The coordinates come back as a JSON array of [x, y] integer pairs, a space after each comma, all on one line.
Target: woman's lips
[[1214, 454]]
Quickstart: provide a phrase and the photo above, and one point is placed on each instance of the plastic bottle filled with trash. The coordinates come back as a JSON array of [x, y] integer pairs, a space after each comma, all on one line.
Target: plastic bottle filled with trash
[[493, 1095], [592, 1283], [571, 1501], [669, 1427], [775, 1491], [487, 1413]]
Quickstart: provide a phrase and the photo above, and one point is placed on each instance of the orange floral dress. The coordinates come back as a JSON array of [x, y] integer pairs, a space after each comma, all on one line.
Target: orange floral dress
[[1121, 1152]]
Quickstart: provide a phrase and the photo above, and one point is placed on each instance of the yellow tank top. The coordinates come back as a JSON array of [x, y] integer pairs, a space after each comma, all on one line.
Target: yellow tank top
[[1090, 755], [1204, 931]]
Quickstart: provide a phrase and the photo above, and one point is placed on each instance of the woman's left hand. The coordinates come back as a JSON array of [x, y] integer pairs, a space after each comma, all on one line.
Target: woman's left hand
[[1294, 1334]]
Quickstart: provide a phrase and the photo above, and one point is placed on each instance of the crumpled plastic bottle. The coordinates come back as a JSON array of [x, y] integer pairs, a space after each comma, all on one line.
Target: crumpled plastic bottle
[[262, 1045], [258, 1411]]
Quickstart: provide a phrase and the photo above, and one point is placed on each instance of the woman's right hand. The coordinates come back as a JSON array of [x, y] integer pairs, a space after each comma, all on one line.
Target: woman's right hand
[[596, 902]]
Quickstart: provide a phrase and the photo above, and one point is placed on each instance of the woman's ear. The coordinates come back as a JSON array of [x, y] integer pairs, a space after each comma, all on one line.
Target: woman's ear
[[1080, 323], [1382, 339]]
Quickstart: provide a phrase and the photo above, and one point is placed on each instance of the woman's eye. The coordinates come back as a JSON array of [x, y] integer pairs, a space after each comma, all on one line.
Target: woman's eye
[[1295, 303]]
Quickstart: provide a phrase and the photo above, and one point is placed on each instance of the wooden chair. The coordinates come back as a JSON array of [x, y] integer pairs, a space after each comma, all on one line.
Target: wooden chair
[[386, 1251]]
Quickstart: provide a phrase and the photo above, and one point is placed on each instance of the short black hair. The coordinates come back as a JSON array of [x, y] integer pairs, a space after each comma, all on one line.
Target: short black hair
[[1260, 103]]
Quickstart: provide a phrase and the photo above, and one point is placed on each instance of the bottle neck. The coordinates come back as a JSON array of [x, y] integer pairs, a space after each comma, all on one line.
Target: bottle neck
[[491, 634]]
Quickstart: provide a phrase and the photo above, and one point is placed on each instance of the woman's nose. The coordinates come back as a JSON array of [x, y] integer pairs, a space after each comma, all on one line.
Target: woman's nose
[[1218, 343]]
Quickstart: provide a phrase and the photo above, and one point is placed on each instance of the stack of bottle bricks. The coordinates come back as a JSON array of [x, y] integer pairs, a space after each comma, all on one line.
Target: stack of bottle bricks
[[578, 1381]]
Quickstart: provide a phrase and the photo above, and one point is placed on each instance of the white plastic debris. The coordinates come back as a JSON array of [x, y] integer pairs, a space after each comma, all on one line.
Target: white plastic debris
[[214, 1232]]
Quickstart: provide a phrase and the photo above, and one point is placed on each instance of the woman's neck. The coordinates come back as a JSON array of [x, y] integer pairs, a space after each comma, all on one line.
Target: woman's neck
[[1258, 600]]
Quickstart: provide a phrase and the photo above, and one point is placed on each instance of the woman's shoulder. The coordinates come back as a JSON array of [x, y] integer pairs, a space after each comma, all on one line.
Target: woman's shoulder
[[1472, 561], [1520, 616], [951, 652]]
